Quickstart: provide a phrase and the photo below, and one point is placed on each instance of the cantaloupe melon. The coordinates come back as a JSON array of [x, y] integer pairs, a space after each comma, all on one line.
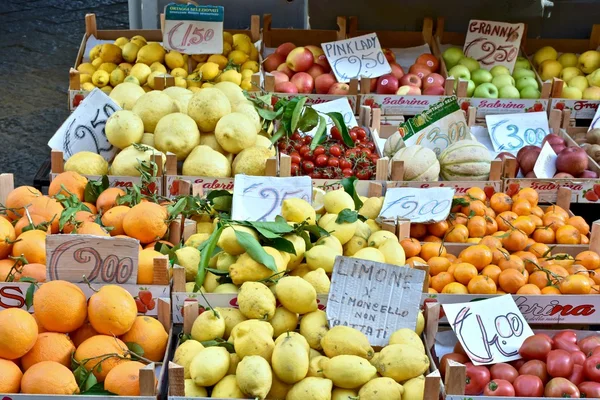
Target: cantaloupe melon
[[393, 144], [420, 163], [465, 160]]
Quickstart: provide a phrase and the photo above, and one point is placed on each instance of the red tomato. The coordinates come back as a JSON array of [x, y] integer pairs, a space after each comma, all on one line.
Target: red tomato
[[345, 163], [335, 133], [316, 175], [298, 145], [321, 160], [477, 377], [366, 151], [589, 389], [460, 358], [370, 146], [295, 169], [333, 162], [563, 344], [363, 174], [535, 367], [591, 368], [459, 349], [296, 136], [295, 157], [307, 140], [568, 335], [589, 343], [595, 352], [319, 150], [499, 387], [577, 376], [561, 387], [282, 145], [518, 364], [353, 135], [504, 371], [528, 386], [308, 166], [361, 134], [335, 150], [535, 347], [347, 172], [547, 337], [559, 364], [351, 152], [304, 150], [578, 357]]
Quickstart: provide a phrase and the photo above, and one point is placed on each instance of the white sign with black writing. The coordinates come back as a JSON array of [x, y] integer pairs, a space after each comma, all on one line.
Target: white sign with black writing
[[511, 132], [419, 205], [373, 297], [340, 105], [84, 129], [545, 166], [491, 331], [356, 57], [493, 43]]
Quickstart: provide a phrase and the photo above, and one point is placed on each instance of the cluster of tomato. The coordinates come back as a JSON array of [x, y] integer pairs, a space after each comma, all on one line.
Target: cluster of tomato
[[332, 159], [558, 366]]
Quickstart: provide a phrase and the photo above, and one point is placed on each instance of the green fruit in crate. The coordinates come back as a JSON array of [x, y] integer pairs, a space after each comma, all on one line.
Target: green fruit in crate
[[176, 133], [465, 160], [124, 128], [152, 106], [420, 163], [127, 161], [207, 107], [87, 163]]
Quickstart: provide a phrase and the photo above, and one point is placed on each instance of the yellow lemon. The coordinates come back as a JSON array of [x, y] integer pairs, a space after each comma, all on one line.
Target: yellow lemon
[[238, 57], [209, 70], [252, 65], [219, 59], [231, 76]]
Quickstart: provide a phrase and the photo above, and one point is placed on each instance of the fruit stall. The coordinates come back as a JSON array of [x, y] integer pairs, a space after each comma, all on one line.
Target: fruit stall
[[301, 214]]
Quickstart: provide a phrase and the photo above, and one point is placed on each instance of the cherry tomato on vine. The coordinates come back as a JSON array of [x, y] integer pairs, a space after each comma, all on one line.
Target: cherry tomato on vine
[[316, 175], [335, 150], [361, 134], [370, 146], [303, 150], [295, 168], [353, 135], [363, 174], [308, 166], [321, 160], [319, 150], [282, 145], [351, 152], [295, 157], [298, 145], [366, 151], [333, 162], [307, 140], [345, 163], [296, 136], [335, 133], [347, 172]]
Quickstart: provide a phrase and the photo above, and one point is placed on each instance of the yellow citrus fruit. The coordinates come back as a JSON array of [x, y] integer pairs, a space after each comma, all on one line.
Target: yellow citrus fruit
[[18, 333], [60, 306], [10, 377], [150, 335], [50, 346], [146, 222], [112, 310], [49, 377], [97, 350]]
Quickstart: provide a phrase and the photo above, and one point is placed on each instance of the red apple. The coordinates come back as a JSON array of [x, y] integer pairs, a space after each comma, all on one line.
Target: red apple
[[526, 157], [339, 88], [433, 79], [410, 79], [389, 55], [556, 142], [429, 60], [285, 48], [304, 82], [387, 84], [324, 82], [588, 174], [315, 50], [572, 160], [408, 90], [420, 70], [286, 87], [286, 70], [315, 71], [300, 59], [273, 61], [434, 90], [397, 70], [322, 61], [280, 77]]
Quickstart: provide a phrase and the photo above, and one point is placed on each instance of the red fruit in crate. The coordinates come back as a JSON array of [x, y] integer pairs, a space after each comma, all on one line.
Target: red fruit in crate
[[572, 160], [560, 106], [433, 79], [322, 61], [561, 387], [315, 50], [387, 84], [145, 296], [591, 196], [300, 59], [339, 88], [504, 371], [324, 82], [578, 357], [285, 48], [489, 191], [465, 106], [411, 80], [273, 61], [596, 188], [588, 344], [535, 347], [587, 174], [285, 69], [565, 345], [304, 82], [280, 77], [434, 91], [536, 368], [151, 305], [568, 335], [577, 376], [499, 387], [286, 87], [397, 70], [315, 71], [559, 363], [141, 307], [477, 376], [389, 55], [528, 386], [420, 70], [590, 390], [428, 60]]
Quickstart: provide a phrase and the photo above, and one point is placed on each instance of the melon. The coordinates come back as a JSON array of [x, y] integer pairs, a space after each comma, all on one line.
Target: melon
[[465, 160], [420, 163], [393, 144]]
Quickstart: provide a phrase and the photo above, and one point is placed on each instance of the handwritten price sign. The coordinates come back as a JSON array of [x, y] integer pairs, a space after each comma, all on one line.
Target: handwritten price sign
[[491, 331], [356, 57], [419, 205], [493, 43], [99, 259], [511, 132], [259, 198], [192, 29]]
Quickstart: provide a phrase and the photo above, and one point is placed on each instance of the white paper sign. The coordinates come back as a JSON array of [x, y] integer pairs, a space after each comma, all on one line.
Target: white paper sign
[[259, 198], [493, 43], [511, 132], [373, 297], [192, 29], [491, 331], [545, 166], [340, 105], [356, 57], [596, 120], [84, 129], [418, 205]]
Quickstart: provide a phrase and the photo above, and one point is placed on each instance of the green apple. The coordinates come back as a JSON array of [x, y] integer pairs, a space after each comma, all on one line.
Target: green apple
[[522, 62], [480, 76], [580, 82], [594, 78], [503, 80], [569, 73], [549, 69], [529, 92], [591, 93], [499, 70], [486, 91], [571, 93], [452, 55], [543, 54], [470, 63], [568, 60], [509, 92], [526, 82], [519, 73], [470, 88], [589, 61], [460, 72]]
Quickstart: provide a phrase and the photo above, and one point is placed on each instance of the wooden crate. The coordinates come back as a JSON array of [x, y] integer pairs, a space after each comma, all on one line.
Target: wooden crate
[[273, 37]]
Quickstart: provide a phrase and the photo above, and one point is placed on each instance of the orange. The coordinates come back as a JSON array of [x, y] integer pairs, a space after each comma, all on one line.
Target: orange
[[475, 207], [568, 234], [68, 183], [18, 333], [482, 284], [521, 207], [459, 201], [515, 241], [112, 310], [544, 234], [458, 233], [492, 271], [490, 213], [60, 306], [411, 246], [124, 379], [114, 218], [97, 346], [577, 268], [529, 259], [108, 199], [580, 224], [24, 222], [475, 193], [558, 210], [455, 288], [525, 224], [33, 270], [512, 262], [537, 221], [48, 208], [453, 259], [49, 377], [418, 230], [529, 194], [556, 273], [49, 346], [32, 245], [41, 329], [529, 288], [146, 266], [562, 259], [431, 238], [553, 220], [92, 207], [10, 377], [504, 219], [511, 280], [17, 199], [477, 226], [540, 279], [438, 264], [79, 218], [575, 284], [150, 335], [90, 228], [585, 239], [7, 237], [596, 276], [438, 228], [83, 333], [432, 290], [464, 272], [479, 255], [491, 226], [530, 242], [498, 255], [457, 218], [473, 240], [452, 267], [551, 290], [5, 269], [429, 250], [537, 211], [146, 222], [415, 260], [539, 250], [439, 281], [589, 259], [491, 242], [500, 202]]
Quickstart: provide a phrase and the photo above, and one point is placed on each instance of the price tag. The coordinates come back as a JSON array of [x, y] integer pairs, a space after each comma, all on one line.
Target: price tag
[[99, 259], [493, 43], [356, 57], [259, 198], [375, 298], [418, 205], [84, 129], [545, 166], [511, 132], [340, 105], [491, 331], [192, 29]]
